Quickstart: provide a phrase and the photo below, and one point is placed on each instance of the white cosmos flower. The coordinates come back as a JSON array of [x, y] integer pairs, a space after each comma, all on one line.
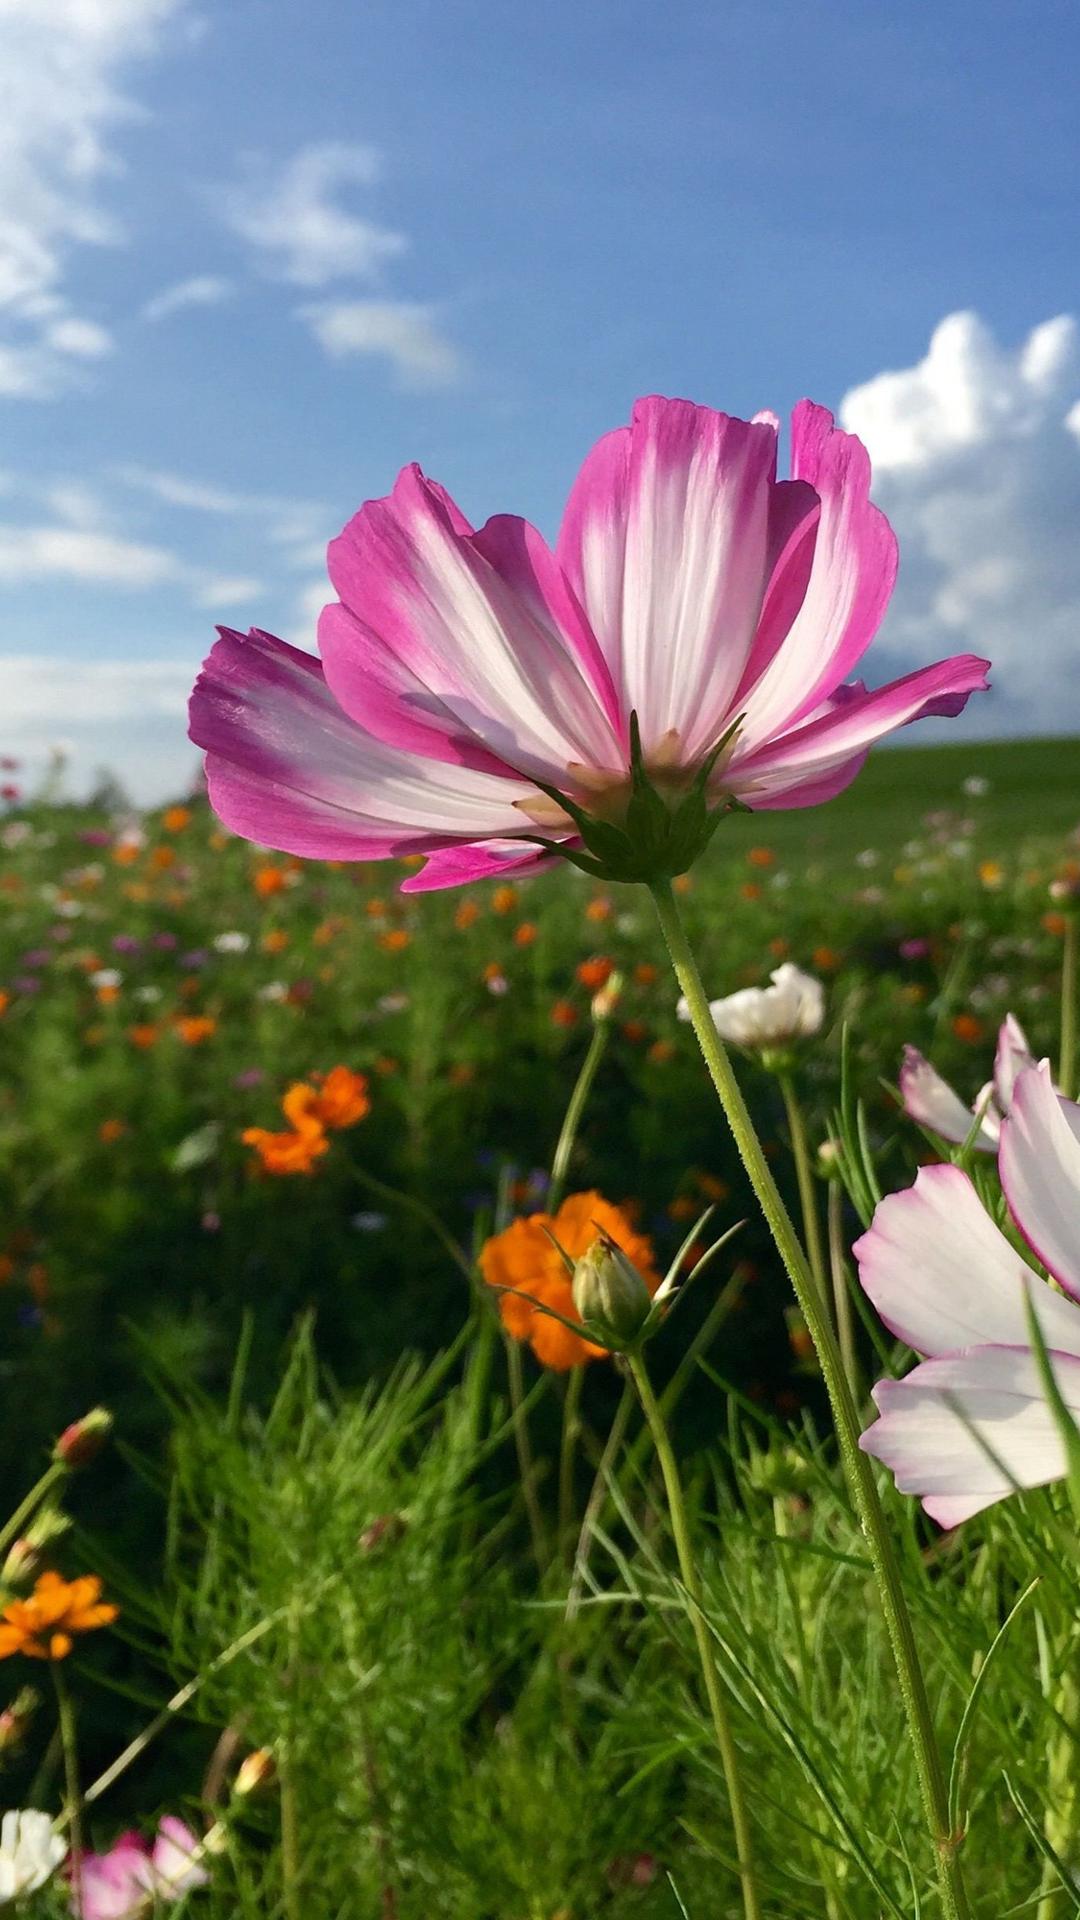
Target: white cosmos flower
[[106, 977], [30, 1853], [793, 1008], [972, 1422], [930, 1100], [231, 943]]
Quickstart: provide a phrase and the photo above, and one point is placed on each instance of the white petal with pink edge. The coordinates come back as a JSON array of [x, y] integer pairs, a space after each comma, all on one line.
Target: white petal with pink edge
[[931, 1101], [1039, 1165], [667, 540], [943, 1276], [850, 581], [1012, 1056], [966, 1429], [288, 769], [482, 624]]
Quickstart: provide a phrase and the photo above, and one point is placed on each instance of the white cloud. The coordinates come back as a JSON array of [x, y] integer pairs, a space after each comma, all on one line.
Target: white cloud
[[80, 553], [226, 590], [127, 714], [400, 331], [295, 219], [976, 453], [61, 63], [203, 290]]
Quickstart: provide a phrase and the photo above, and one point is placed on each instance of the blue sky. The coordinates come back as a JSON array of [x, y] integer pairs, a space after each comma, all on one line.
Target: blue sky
[[254, 256]]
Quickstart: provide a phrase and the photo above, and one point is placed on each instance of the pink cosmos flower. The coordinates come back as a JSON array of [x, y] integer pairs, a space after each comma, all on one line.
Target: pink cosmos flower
[[129, 1881], [930, 1100], [972, 1422], [464, 674]]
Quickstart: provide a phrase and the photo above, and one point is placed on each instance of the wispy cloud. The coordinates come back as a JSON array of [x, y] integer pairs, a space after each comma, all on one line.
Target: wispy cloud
[[203, 290], [65, 60], [81, 553], [295, 219], [100, 713], [402, 332], [977, 462]]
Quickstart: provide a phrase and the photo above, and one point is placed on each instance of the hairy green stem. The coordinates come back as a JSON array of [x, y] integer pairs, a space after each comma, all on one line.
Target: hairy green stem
[[571, 1428], [523, 1448], [857, 1468], [800, 1151], [39, 1491], [1067, 1061], [691, 1579], [72, 1790], [845, 1324]]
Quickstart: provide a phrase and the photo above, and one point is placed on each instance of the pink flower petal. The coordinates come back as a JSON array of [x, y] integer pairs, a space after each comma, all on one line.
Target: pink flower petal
[[666, 543], [966, 1429], [822, 746], [1039, 1166], [468, 637], [930, 1100], [1012, 1056], [850, 580], [943, 1276], [176, 1859], [491, 860], [288, 769]]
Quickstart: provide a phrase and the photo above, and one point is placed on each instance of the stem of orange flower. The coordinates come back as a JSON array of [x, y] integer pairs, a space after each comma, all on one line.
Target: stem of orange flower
[[560, 1165], [12, 1528], [691, 1579], [74, 1809], [858, 1470], [1067, 1062], [571, 1427]]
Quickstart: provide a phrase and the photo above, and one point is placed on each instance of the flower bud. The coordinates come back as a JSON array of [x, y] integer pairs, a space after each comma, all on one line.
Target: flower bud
[[15, 1719], [257, 1771], [80, 1444], [26, 1555], [605, 1001], [608, 1290], [383, 1531]]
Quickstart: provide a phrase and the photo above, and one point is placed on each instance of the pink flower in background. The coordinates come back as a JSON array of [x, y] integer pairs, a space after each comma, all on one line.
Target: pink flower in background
[[972, 1422], [463, 672], [132, 1879], [930, 1100]]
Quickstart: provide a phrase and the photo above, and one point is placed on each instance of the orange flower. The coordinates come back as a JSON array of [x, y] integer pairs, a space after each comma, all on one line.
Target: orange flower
[[992, 874], [466, 916], [175, 819], [750, 890], [162, 858], [595, 973], [297, 1150], [660, 1053], [126, 852], [275, 941], [825, 959], [779, 948], [564, 1014], [761, 857], [341, 1099], [44, 1625], [635, 1031], [1053, 923], [523, 1257], [525, 934], [395, 939], [599, 909], [645, 974], [107, 995], [504, 900], [5, 1001], [194, 1028], [385, 1064], [111, 1130], [967, 1027], [144, 1034], [267, 881]]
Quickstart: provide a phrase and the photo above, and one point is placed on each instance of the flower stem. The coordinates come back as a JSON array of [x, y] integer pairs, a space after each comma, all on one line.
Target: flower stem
[[560, 1165], [73, 1792], [691, 1580], [1067, 1062], [523, 1448], [571, 1427], [12, 1528], [800, 1151], [857, 1467], [845, 1325]]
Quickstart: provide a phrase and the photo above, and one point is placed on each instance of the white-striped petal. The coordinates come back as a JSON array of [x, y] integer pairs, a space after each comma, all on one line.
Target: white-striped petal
[[1040, 1173]]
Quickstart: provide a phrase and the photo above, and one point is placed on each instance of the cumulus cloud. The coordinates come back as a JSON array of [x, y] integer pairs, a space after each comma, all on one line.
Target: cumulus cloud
[[297, 222], [402, 332], [203, 290], [61, 66], [976, 453]]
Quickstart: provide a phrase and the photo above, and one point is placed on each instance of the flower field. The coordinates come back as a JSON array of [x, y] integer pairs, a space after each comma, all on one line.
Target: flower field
[[390, 1592]]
